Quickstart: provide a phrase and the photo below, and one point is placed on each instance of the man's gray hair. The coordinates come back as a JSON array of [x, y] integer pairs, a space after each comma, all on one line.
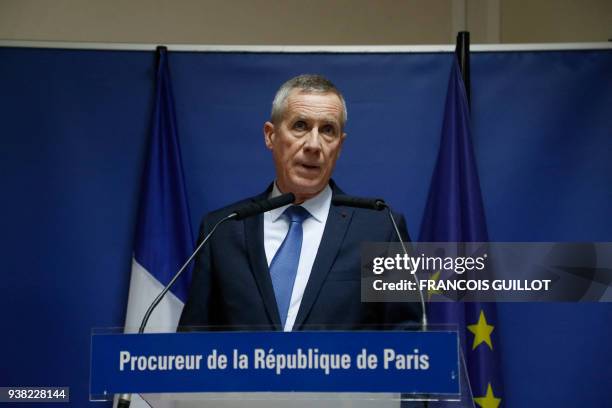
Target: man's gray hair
[[307, 83]]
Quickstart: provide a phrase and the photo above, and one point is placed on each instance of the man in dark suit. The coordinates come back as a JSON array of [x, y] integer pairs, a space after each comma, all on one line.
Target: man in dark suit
[[294, 268]]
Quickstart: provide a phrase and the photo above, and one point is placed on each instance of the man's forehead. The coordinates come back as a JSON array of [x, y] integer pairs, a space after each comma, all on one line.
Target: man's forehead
[[308, 104]]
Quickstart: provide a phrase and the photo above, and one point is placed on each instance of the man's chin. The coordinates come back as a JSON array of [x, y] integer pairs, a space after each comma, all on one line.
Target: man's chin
[[304, 191]]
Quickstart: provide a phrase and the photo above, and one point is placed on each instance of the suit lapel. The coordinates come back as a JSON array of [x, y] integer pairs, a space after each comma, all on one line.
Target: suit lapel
[[253, 229], [338, 221]]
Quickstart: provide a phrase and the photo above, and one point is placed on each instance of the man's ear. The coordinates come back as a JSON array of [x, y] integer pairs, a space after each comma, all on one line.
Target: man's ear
[[342, 139], [268, 130], [340, 145]]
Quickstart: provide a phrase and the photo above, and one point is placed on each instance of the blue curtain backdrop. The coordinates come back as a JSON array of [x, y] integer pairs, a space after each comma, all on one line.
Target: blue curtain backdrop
[[73, 128]]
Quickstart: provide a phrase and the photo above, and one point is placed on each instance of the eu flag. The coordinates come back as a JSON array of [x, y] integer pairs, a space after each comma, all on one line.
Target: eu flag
[[455, 213]]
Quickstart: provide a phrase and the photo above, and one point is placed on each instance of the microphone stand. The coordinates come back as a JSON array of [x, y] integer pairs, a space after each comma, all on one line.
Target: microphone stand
[[244, 211]]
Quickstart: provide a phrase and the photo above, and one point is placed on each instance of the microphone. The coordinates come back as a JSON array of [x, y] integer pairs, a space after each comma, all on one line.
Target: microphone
[[261, 206], [359, 202], [250, 209], [379, 204]]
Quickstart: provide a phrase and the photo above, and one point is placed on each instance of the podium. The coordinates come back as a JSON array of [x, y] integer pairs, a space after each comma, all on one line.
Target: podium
[[229, 368]]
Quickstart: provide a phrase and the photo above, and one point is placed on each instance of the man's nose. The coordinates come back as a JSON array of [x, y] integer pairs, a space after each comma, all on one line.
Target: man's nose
[[313, 141]]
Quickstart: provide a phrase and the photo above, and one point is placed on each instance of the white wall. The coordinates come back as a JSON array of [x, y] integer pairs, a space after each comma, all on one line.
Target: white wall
[[305, 21]]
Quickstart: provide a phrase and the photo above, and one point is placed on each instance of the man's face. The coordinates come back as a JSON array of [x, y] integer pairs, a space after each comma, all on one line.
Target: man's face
[[306, 143]]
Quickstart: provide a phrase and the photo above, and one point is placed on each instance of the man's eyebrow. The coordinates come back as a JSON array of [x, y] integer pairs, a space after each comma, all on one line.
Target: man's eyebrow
[[329, 120], [300, 117]]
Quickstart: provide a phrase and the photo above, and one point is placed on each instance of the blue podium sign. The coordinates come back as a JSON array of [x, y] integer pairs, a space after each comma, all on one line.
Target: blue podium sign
[[358, 361]]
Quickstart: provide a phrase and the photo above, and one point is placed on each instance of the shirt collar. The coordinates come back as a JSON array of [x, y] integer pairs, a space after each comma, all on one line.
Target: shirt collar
[[317, 206]]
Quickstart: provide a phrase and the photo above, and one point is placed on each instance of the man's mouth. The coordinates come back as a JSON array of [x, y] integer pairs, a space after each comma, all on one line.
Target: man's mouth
[[309, 168]]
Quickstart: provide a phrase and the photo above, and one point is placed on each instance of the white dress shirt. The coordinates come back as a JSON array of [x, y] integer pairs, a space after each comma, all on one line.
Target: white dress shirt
[[276, 226]]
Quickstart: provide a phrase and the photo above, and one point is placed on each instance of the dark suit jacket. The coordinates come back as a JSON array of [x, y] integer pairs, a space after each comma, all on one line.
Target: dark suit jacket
[[231, 283]]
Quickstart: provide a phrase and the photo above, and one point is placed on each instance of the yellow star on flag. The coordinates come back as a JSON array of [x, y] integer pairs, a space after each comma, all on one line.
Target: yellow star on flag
[[430, 292], [482, 332], [489, 400]]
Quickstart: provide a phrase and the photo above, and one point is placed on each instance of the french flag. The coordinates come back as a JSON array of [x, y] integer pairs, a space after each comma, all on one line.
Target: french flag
[[163, 239]]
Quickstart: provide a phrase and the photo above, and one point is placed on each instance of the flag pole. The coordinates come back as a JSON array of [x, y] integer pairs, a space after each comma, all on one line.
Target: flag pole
[[158, 50], [462, 49]]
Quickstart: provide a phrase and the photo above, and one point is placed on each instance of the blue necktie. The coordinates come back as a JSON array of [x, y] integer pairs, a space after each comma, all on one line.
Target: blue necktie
[[284, 265]]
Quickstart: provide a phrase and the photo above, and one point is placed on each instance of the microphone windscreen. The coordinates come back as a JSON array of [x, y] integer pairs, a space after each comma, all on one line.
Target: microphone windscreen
[[359, 202], [261, 206]]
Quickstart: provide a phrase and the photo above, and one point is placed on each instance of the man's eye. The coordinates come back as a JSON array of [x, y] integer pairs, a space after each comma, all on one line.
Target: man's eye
[[328, 130], [299, 125]]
